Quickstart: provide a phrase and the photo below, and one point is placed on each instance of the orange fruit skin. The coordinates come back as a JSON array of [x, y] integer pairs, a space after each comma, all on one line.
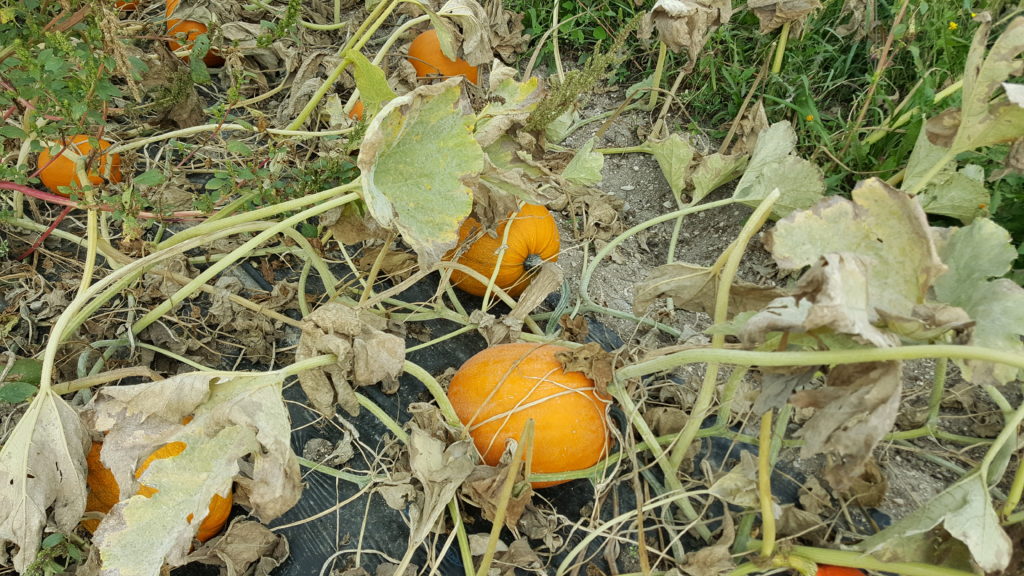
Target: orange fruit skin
[[534, 233], [499, 389], [126, 6], [192, 30], [426, 57], [104, 491], [61, 171], [826, 570], [356, 113]]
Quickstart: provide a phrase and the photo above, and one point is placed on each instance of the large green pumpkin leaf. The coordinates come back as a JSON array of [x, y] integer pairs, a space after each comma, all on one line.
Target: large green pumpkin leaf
[[416, 153], [774, 165]]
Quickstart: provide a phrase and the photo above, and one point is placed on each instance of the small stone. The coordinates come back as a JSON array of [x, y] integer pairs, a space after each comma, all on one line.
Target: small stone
[[636, 168], [627, 188], [667, 204]]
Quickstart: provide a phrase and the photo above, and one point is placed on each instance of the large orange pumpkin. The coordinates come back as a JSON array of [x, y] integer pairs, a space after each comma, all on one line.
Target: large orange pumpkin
[[426, 57], [191, 29], [532, 240], [499, 389], [104, 491], [60, 171]]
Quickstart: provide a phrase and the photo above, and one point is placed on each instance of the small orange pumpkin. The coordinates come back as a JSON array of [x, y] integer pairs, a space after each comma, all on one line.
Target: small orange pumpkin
[[426, 57], [356, 113], [191, 29], [126, 5], [532, 240], [61, 170], [104, 491], [496, 391]]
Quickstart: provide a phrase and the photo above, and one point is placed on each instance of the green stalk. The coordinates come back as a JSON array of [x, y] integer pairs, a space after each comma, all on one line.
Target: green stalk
[[435, 390], [764, 485], [780, 48], [706, 394]]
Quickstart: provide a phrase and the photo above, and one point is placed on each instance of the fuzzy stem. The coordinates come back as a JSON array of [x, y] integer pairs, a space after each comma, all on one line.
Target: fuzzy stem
[[764, 485]]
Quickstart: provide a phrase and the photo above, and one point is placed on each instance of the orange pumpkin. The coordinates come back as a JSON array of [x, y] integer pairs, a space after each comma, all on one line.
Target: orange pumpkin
[[532, 240], [104, 491], [826, 570], [191, 29], [126, 5], [356, 113], [496, 391], [426, 57], [61, 170]]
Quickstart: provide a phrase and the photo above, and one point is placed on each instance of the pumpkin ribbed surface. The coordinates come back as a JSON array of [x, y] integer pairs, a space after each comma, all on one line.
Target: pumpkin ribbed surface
[[104, 491], [426, 57], [499, 389], [61, 170], [532, 239]]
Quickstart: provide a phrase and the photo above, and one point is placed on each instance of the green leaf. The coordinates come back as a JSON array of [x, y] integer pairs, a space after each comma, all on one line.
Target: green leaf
[[12, 132], [965, 511], [371, 81], [200, 74], [974, 255], [149, 178], [52, 540], [674, 155], [884, 228], [772, 166], [714, 171], [25, 370], [414, 157], [238, 147], [961, 195], [585, 167], [17, 392]]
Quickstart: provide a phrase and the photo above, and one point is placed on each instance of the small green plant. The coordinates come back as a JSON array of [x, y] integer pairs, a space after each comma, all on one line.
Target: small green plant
[[56, 554]]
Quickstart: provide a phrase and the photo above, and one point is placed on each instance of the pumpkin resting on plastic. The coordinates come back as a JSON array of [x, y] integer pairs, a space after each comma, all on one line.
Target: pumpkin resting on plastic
[[499, 389], [60, 171], [104, 491], [426, 57], [532, 240]]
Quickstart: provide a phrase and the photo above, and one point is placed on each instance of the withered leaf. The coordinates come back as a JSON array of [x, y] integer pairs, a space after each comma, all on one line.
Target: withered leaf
[[687, 24], [366, 355], [716, 559], [440, 469], [777, 384], [574, 329], [869, 488], [695, 288], [854, 411], [593, 361], [665, 420], [774, 13], [483, 488], [246, 547]]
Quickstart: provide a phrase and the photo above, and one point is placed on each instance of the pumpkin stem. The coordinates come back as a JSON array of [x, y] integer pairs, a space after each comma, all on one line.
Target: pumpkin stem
[[532, 261]]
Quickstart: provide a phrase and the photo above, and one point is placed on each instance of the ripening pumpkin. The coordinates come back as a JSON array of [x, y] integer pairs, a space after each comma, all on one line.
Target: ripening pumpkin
[[126, 5], [426, 57], [191, 29], [356, 113], [532, 240], [500, 388], [104, 491], [826, 570], [61, 170]]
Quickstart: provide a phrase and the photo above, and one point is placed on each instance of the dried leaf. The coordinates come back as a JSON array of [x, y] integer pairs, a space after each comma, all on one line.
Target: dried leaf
[[396, 186], [739, 485], [506, 29], [475, 24], [854, 411], [484, 486], [855, 9], [980, 121], [593, 362], [509, 103], [716, 559], [245, 545], [440, 470], [774, 13], [665, 420], [687, 24], [777, 384], [366, 355], [42, 467], [867, 489], [695, 288]]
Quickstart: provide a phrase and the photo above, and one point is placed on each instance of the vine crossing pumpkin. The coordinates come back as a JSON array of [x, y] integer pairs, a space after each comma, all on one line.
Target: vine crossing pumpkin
[[532, 240], [499, 389], [60, 171], [104, 491], [190, 29], [426, 57]]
